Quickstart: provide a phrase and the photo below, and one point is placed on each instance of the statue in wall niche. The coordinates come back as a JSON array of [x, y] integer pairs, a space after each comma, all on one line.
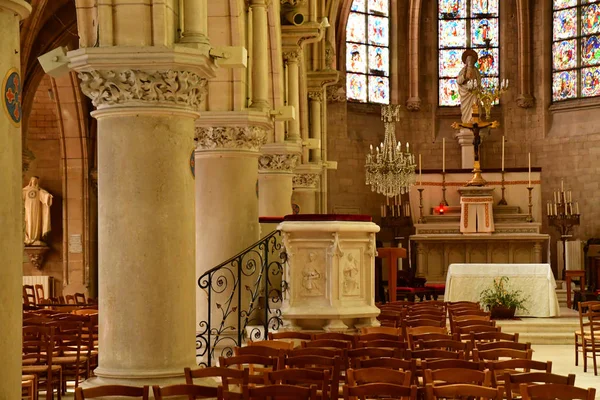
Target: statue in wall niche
[[466, 79], [311, 276], [351, 285], [37, 203]]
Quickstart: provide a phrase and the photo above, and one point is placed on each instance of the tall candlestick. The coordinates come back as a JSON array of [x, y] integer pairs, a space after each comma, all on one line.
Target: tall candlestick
[[443, 154], [529, 156], [555, 197], [502, 153], [420, 175], [577, 208]]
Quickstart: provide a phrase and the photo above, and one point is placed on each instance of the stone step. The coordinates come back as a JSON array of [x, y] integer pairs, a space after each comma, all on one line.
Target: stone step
[[547, 338], [550, 325]]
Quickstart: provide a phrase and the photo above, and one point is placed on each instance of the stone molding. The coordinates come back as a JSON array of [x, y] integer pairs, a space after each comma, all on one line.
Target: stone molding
[[525, 101], [413, 104], [316, 94], [336, 94], [119, 87], [278, 162], [292, 55], [309, 181], [230, 137]]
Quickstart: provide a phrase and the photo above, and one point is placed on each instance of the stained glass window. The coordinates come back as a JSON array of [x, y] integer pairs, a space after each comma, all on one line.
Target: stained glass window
[[467, 24], [367, 52], [575, 49]]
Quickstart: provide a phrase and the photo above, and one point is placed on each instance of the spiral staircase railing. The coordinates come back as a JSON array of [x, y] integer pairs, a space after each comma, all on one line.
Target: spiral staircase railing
[[244, 291]]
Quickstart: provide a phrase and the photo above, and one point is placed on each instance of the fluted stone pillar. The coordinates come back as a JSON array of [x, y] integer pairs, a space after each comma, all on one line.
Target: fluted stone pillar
[[226, 156], [11, 206], [275, 173], [306, 189], [292, 57], [260, 54], [316, 100]]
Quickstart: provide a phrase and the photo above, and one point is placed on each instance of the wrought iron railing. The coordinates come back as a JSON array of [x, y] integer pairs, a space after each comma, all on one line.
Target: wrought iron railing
[[241, 292]]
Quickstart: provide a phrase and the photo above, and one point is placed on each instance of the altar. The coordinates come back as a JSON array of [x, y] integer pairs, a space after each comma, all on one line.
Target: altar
[[465, 282], [510, 235]]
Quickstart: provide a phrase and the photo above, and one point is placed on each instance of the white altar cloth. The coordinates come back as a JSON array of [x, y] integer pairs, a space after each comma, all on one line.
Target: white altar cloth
[[465, 282]]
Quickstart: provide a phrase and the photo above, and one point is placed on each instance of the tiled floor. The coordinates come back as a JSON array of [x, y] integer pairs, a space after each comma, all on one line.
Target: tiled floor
[[563, 363]]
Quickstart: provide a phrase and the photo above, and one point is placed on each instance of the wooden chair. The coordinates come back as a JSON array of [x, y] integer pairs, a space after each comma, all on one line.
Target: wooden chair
[[464, 332], [302, 377], [513, 381], [333, 336], [272, 344], [462, 313], [68, 347], [332, 365], [328, 343], [289, 336], [430, 354], [112, 390], [555, 391], [451, 376], [263, 351], [465, 323], [365, 337], [499, 368], [29, 387], [419, 330], [80, 298], [378, 375], [388, 362], [193, 391], [280, 392], [70, 299], [39, 293], [389, 344], [257, 365], [444, 364], [413, 339], [446, 344], [38, 352], [591, 344], [486, 337], [584, 327], [381, 329], [229, 376], [503, 345], [371, 352], [317, 351], [391, 319], [462, 391], [497, 354], [28, 295], [380, 391]]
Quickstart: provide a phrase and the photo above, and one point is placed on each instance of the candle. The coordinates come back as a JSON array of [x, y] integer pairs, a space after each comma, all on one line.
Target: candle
[[529, 156], [555, 210], [555, 197], [443, 154], [420, 175], [502, 153], [548, 208], [570, 197], [577, 207], [562, 185]]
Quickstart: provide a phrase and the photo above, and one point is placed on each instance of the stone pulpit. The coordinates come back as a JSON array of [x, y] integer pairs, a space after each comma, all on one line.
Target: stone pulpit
[[330, 272]]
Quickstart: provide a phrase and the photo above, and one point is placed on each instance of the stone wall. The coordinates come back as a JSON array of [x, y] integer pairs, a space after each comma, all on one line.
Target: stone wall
[[43, 140], [565, 143]]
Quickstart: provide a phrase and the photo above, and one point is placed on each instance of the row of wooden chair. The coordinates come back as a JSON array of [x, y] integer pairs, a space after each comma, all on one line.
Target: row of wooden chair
[[587, 339], [34, 295]]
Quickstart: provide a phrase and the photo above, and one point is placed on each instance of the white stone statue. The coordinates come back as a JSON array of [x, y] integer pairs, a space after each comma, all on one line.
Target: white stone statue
[[37, 204], [466, 75]]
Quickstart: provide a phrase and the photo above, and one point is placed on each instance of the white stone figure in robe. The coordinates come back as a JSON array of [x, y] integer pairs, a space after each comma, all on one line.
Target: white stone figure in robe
[[311, 276], [467, 74], [37, 204], [351, 270]]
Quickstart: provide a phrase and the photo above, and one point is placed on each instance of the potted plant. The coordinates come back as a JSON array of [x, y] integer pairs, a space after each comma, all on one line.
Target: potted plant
[[501, 301]]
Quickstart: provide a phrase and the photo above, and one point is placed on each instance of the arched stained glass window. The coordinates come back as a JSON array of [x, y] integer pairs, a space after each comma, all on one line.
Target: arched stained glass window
[[466, 24], [367, 52], [575, 49]]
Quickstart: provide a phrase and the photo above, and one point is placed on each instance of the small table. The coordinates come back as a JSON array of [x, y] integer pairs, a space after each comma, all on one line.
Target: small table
[[575, 273], [392, 254]]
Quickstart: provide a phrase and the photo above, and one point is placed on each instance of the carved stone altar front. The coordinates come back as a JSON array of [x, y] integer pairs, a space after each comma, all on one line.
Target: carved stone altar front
[[330, 274]]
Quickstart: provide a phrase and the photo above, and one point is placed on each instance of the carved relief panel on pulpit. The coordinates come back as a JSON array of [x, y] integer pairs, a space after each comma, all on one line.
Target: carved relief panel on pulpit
[[312, 274], [350, 282]]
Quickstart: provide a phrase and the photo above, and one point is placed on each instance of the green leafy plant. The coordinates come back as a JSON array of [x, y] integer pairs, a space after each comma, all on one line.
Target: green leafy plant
[[501, 295]]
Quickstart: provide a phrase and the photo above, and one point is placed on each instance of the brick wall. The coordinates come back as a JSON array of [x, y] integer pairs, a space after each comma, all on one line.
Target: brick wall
[[565, 144]]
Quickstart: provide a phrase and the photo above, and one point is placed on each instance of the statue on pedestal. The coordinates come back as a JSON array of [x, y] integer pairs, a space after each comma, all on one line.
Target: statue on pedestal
[[468, 79], [37, 202]]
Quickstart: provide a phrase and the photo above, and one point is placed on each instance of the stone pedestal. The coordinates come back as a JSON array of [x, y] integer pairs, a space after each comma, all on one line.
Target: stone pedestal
[[330, 272], [306, 189], [11, 206], [465, 140], [275, 173]]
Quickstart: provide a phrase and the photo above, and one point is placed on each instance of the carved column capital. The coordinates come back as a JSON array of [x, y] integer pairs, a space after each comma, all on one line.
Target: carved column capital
[[278, 163], [413, 104], [106, 88], [525, 101], [308, 181], [293, 3], [230, 138], [336, 93], [316, 95], [292, 55]]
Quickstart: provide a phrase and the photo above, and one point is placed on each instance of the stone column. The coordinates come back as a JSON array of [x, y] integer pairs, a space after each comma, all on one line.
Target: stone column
[[227, 152], [292, 58], [465, 140], [316, 100], [11, 206], [260, 54], [146, 218], [305, 192], [275, 172], [195, 22]]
